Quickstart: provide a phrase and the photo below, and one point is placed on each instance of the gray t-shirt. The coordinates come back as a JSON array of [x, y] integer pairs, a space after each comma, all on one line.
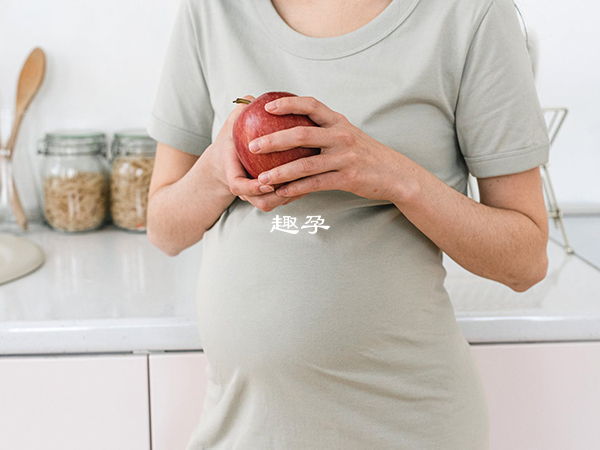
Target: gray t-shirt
[[345, 337]]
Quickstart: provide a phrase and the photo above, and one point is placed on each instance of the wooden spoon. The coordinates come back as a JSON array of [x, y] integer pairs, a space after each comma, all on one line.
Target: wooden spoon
[[30, 80]]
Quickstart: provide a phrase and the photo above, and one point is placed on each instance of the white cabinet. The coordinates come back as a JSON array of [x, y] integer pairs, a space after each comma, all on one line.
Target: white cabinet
[[177, 388], [74, 402], [542, 396]]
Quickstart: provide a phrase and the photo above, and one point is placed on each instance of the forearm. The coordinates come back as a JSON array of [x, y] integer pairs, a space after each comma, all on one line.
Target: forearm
[[180, 213], [499, 244]]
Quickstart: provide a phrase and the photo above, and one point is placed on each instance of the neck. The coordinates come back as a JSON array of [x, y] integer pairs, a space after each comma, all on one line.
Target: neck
[[328, 18]]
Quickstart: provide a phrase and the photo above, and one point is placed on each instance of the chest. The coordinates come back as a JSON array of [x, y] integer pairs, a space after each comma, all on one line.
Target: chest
[[401, 91]]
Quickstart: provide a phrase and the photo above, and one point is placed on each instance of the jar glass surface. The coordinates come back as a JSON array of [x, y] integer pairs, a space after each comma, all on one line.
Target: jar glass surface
[[132, 154], [74, 180]]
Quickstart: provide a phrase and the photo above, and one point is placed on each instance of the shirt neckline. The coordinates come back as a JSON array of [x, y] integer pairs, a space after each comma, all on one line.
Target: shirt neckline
[[309, 47]]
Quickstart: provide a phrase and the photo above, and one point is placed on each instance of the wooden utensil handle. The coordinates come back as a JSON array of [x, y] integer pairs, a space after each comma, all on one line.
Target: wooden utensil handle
[[15, 131], [13, 195], [17, 207]]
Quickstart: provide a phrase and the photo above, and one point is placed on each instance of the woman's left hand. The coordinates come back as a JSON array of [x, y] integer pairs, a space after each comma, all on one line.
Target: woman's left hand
[[350, 160]]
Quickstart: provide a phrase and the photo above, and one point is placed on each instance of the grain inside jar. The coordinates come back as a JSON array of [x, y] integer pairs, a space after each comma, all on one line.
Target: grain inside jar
[[76, 203], [129, 184]]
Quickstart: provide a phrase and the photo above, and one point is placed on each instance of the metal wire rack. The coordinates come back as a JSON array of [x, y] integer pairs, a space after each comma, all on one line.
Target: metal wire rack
[[554, 120]]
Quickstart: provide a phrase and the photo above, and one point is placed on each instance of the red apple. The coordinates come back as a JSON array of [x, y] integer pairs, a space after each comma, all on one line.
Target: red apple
[[254, 121]]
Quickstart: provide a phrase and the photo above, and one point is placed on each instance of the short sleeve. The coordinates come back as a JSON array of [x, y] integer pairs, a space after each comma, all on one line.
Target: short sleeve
[[182, 115], [500, 124]]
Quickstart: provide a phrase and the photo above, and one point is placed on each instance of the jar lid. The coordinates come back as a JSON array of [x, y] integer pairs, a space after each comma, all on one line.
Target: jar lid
[[135, 140], [73, 142]]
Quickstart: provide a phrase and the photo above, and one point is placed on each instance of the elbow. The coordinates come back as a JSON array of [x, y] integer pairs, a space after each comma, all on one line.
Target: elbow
[[170, 251], [163, 245], [154, 234], [535, 272]]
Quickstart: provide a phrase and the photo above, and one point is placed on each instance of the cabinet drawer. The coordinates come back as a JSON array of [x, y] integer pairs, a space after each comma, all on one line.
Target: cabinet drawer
[[74, 402], [542, 396], [177, 389]]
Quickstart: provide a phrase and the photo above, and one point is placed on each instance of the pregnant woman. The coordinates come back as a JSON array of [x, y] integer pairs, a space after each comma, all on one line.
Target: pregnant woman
[[345, 337]]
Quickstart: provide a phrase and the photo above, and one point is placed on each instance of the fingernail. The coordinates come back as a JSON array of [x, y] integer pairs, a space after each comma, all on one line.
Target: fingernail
[[266, 188], [282, 191], [264, 177], [271, 106], [254, 145]]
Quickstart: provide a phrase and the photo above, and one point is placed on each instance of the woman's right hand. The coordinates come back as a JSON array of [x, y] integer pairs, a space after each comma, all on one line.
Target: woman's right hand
[[230, 171]]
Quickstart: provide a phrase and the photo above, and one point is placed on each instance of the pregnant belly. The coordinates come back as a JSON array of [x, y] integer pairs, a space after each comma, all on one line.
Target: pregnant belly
[[284, 304]]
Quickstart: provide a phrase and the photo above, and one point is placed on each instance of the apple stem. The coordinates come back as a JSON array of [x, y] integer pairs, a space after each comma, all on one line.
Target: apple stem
[[242, 100]]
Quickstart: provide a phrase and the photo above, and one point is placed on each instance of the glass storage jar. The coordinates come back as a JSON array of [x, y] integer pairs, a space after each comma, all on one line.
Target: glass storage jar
[[132, 156], [74, 180]]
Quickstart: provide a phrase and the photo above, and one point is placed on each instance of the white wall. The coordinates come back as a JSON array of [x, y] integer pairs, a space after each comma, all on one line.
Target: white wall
[[569, 75], [104, 60], [103, 63]]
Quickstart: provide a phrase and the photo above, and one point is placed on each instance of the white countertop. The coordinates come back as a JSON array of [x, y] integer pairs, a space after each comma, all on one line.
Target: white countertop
[[112, 291]]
